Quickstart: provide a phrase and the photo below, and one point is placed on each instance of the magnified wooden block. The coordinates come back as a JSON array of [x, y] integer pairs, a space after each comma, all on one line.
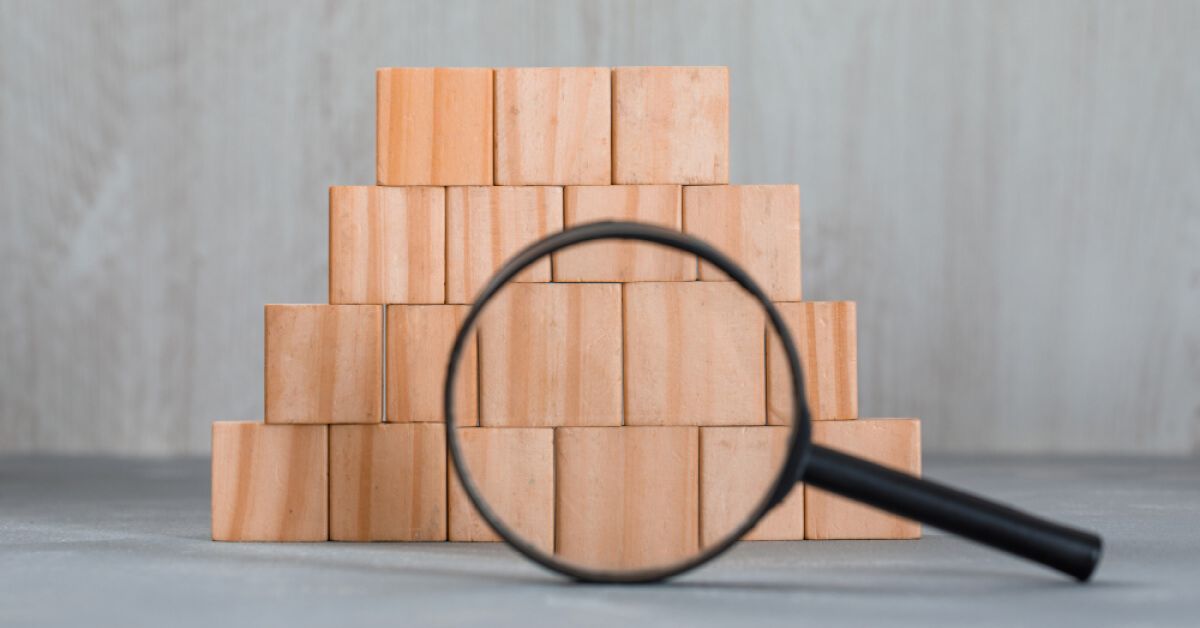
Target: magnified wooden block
[[738, 467], [671, 125], [894, 443], [324, 363], [269, 482], [623, 261], [553, 126], [433, 126], [825, 333], [756, 225], [550, 355], [387, 482], [387, 245], [487, 225], [694, 355], [514, 471], [419, 338], [626, 496]]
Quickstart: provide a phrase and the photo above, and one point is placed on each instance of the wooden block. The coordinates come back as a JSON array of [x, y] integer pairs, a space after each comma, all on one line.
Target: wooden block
[[550, 355], [671, 125], [387, 482], [553, 126], [269, 482], [738, 467], [894, 443], [324, 363], [487, 225], [756, 225], [433, 126], [627, 497], [623, 261], [514, 471], [387, 245], [693, 355], [419, 338], [825, 333]]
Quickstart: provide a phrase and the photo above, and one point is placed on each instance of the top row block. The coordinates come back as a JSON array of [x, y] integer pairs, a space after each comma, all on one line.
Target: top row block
[[552, 126]]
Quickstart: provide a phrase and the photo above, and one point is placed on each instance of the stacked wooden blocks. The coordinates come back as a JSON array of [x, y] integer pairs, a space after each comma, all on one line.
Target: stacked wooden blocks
[[570, 391]]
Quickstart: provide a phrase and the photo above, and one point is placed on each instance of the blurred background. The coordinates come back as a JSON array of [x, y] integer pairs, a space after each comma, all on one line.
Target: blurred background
[[1010, 190]]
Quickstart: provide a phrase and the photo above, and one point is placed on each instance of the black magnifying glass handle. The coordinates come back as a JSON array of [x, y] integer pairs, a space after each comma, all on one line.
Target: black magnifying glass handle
[[1069, 550]]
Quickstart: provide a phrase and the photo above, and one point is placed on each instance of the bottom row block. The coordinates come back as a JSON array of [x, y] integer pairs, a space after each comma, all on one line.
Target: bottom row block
[[513, 468], [627, 496], [738, 466], [269, 482], [387, 482], [894, 443], [600, 496]]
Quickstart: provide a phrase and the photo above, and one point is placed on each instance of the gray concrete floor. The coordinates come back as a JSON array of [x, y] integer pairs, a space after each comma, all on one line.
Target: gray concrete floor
[[117, 542]]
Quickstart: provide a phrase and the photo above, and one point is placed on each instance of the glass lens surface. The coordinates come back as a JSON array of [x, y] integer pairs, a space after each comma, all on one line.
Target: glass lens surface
[[631, 414]]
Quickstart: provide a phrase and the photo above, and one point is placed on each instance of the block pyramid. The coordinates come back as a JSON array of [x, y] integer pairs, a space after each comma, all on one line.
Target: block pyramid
[[472, 165]]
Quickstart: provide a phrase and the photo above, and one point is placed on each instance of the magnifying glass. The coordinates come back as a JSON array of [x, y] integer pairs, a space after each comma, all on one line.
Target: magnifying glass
[[603, 473]]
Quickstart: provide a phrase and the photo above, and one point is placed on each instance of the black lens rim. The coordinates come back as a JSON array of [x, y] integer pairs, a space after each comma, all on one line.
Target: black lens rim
[[800, 445]]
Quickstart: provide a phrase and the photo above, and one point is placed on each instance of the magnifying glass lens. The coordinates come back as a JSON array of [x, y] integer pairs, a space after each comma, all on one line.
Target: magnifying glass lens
[[623, 425]]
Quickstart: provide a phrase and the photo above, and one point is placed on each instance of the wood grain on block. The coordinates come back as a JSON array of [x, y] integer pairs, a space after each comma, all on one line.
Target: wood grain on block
[[387, 244], [894, 443], [738, 467], [269, 482], [553, 126], [514, 472], [826, 336], [419, 338], [433, 126], [550, 355], [694, 355], [387, 482], [671, 125], [756, 225], [627, 497], [324, 363], [487, 225], [623, 261]]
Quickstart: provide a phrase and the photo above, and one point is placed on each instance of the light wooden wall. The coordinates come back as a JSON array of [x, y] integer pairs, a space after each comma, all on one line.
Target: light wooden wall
[[1010, 190]]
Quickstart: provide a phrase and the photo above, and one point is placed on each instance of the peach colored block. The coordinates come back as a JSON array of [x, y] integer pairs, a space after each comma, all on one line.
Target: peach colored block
[[738, 467], [693, 355], [627, 497], [514, 472], [433, 126], [419, 338], [756, 225], [623, 261], [269, 482], [553, 126], [671, 125], [487, 225], [324, 363], [387, 245], [550, 355], [825, 333], [387, 482], [894, 443]]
